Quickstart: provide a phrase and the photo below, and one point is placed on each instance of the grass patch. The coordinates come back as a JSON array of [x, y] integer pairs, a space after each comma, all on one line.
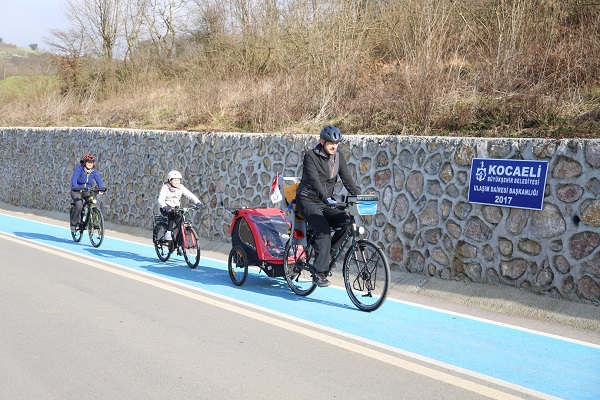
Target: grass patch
[[25, 86]]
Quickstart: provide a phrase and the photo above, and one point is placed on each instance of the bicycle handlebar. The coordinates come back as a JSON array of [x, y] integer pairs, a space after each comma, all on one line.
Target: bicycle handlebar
[[96, 189], [340, 204], [184, 209], [229, 210]]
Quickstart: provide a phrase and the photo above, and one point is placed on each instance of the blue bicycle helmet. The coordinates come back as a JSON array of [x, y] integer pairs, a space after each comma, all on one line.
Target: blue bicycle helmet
[[331, 133]]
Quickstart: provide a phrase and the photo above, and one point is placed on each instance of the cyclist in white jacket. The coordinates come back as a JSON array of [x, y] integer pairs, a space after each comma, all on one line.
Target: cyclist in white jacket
[[170, 197]]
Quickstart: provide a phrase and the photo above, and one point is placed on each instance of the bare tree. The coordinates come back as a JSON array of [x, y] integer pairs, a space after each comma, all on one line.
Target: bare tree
[[98, 22], [163, 19], [68, 42]]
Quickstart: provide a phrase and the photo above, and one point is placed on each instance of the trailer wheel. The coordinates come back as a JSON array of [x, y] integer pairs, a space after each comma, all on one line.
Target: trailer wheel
[[238, 265]]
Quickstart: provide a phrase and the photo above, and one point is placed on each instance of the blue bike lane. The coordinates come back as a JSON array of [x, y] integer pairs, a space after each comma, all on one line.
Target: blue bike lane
[[557, 367]]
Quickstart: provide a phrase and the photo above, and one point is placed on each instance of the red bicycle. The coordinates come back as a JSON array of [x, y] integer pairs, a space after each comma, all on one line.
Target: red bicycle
[[185, 238]]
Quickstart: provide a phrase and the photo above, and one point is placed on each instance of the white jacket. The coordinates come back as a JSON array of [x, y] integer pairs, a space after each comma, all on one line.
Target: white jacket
[[171, 196]]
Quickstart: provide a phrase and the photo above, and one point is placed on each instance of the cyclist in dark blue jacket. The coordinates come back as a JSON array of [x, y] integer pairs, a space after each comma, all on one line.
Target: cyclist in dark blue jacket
[[84, 176]]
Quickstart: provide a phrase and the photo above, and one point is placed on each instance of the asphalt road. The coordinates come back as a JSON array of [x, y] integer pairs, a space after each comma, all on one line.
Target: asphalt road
[[75, 331], [77, 324]]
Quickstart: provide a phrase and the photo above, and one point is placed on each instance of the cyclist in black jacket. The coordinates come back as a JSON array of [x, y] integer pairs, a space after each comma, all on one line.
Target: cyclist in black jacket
[[315, 201]]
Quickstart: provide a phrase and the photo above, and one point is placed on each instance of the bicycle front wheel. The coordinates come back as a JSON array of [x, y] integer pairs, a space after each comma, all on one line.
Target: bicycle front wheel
[[366, 275], [298, 278], [96, 227], [191, 247]]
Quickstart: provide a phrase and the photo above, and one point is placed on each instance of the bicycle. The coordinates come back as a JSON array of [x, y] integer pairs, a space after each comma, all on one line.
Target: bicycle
[[365, 270], [184, 238], [91, 217]]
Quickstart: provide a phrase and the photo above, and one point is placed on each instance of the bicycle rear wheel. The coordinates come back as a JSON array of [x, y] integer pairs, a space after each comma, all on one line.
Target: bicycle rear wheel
[[162, 248], [96, 227], [366, 275], [299, 279], [190, 247], [237, 264], [77, 234]]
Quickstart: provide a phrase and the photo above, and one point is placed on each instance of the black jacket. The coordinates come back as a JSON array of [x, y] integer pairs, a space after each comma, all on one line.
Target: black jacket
[[318, 177]]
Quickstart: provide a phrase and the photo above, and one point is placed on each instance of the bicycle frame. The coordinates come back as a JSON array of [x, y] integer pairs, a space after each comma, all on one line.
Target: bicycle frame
[[89, 204], [184, 240], [181, 226], [365, 270], [300, 234], [89, 201], [91, 216], [350, 234]]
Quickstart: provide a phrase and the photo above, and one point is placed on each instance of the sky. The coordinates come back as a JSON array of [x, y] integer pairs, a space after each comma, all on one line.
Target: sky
[[24, 22]]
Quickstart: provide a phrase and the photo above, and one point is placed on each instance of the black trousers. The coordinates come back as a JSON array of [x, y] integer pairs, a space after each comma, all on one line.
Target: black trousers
[[170, 218], [321, 218], [78, 202]]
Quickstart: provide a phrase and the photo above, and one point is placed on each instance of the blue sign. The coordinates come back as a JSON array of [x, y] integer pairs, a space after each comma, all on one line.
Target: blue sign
[[508, 183]]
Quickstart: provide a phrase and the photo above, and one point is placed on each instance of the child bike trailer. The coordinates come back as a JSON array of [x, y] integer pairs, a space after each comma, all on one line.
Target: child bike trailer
[[258, 237]]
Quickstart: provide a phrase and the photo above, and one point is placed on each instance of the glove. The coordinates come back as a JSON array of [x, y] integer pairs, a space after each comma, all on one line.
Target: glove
[[167, 208], [199, 204], [331, 202]]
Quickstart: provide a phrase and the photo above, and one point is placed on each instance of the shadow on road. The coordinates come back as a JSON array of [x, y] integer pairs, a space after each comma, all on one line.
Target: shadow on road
[[42, 237]]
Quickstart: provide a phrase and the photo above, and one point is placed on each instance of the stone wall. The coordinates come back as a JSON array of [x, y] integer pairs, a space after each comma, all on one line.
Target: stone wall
[[425, 223]]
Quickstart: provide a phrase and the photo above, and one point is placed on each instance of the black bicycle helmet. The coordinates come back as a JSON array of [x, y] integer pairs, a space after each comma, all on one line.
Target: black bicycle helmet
[[331, 133]]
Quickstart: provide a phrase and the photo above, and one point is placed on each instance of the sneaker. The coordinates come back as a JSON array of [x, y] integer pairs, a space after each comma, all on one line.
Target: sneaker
[[167, 237], [320, 279], [73, 228]]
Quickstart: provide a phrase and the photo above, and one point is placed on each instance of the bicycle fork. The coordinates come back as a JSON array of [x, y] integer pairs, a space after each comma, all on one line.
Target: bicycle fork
[[188, 240], [365, 279]]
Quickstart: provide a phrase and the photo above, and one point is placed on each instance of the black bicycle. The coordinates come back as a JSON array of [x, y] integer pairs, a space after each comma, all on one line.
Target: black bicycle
[[366, 271], [91, 217], [184, 238]]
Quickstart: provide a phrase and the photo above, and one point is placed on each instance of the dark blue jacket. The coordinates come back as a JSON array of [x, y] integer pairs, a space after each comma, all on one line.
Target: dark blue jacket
[[81, 179]]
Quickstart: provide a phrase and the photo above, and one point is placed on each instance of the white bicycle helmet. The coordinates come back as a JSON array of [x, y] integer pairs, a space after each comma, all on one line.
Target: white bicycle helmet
[[174, 175]]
